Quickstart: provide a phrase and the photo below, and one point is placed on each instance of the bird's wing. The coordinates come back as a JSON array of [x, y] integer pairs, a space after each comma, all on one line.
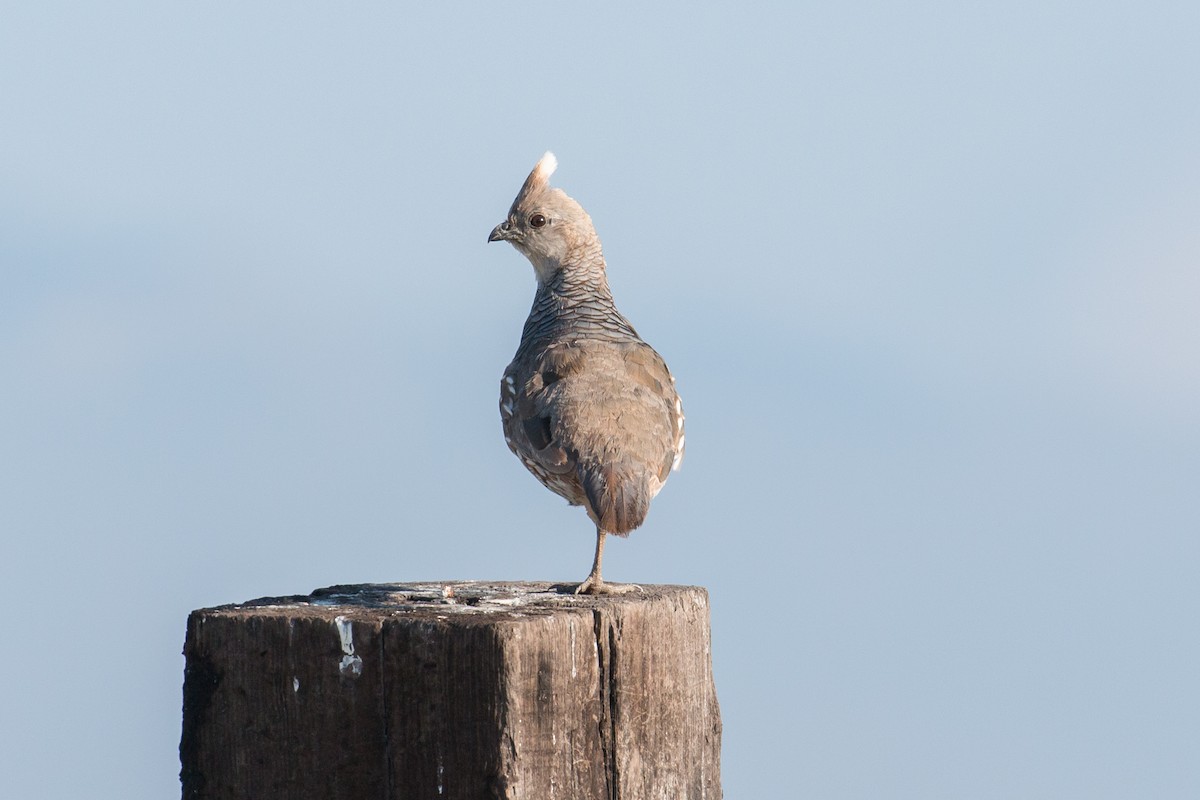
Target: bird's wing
[[596, 421]]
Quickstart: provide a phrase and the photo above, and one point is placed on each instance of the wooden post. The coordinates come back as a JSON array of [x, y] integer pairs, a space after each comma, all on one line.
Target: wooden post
[[452, 691]]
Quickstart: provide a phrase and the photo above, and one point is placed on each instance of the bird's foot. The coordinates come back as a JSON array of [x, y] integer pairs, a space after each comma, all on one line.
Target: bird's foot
[[597, 585]]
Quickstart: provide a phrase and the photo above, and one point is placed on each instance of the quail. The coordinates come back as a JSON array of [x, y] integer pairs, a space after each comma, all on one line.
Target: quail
[[589, 408]]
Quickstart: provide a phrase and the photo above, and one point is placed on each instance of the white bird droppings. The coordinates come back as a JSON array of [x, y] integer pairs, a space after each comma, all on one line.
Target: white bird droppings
[[350, 665], [573, 670]]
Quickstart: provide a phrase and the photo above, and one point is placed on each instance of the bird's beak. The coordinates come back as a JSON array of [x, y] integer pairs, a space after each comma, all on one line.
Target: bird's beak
[[503, 232]]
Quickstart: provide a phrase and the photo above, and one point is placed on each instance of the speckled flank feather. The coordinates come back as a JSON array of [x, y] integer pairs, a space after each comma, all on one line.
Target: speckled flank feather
[[586, 404]]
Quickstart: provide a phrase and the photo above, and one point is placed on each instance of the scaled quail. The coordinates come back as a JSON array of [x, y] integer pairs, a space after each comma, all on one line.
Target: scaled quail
[[589, 408]]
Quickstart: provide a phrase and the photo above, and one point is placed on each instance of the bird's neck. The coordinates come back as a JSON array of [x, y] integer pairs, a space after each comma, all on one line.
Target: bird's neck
[[580, 270], [575, 280], [574, 302]]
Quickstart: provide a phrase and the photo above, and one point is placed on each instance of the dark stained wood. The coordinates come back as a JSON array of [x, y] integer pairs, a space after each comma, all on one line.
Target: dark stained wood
[[458, 690]]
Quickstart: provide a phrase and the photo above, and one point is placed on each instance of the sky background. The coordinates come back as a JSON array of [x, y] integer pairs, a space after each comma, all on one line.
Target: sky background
[[928, 275]]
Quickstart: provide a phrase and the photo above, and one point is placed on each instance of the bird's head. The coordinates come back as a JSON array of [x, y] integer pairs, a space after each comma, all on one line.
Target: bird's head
[[547, 226]]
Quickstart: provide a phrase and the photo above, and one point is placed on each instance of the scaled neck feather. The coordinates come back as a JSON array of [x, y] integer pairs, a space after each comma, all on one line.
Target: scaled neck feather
[[582, 269]]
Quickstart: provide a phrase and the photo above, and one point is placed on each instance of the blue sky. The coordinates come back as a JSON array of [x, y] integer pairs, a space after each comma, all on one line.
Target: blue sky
[[928, 277]]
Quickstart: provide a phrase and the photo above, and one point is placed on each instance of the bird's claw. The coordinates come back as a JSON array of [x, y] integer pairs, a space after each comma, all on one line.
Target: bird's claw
[[596, 585]]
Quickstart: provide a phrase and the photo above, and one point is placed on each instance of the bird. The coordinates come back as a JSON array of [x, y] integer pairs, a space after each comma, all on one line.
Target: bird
[[586, 405]]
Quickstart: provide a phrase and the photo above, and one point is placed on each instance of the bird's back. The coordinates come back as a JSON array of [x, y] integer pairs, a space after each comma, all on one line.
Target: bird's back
[[591, 409]]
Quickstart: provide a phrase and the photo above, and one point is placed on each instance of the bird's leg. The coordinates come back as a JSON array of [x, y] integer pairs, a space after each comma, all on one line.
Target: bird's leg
[[594, 584]]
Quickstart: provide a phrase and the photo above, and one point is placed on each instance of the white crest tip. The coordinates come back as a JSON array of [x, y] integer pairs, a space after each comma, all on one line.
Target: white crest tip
[[546, 166]]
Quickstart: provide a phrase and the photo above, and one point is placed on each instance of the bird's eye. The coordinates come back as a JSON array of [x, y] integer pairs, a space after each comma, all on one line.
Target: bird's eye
[[537, 221]]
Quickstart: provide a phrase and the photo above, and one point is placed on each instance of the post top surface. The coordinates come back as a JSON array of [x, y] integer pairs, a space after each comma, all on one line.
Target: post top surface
[[465, 601]]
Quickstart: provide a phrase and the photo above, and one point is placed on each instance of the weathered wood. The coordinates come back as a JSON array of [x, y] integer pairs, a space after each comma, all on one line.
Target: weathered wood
[[459, 690]]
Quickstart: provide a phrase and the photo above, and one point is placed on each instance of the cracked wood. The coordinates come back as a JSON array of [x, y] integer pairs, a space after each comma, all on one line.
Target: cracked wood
[[453, 690]]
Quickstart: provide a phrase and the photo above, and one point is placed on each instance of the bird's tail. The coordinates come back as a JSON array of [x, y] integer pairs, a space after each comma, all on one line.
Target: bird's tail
[[618, 495]]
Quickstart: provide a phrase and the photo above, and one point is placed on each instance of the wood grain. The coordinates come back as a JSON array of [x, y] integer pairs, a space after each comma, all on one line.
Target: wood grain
[[452, 690]]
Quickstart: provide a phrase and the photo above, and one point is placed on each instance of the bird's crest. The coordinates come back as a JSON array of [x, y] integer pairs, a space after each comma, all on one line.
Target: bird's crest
[[544, 168], [539, 179]]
